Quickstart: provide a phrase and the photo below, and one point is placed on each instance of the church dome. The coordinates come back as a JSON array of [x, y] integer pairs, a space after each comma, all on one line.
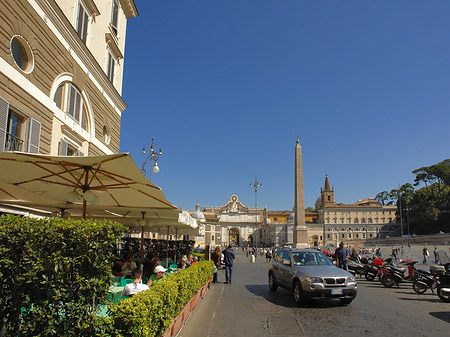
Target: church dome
[[319, 199], [198, 215]]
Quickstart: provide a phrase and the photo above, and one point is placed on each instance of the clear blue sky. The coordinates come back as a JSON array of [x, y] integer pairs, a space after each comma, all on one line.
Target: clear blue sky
[[223, 86]]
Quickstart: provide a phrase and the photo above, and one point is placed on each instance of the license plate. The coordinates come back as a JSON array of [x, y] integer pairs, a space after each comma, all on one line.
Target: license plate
[[337, 291]]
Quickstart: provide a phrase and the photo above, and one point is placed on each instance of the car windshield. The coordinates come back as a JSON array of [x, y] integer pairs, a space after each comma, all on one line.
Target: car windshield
[[310, 259]]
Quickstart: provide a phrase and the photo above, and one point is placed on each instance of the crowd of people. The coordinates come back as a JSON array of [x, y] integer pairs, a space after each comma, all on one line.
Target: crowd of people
[[153, 271]]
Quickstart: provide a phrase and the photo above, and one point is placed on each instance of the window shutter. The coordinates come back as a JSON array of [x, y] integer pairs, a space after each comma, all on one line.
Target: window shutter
[[3, 123], [63, 147], [34, 137]]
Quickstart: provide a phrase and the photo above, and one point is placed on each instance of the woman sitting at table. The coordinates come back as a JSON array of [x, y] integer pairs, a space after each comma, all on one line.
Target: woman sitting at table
[[183, 263], [160, 273], [129, 265], [136, 286], [117, 268]]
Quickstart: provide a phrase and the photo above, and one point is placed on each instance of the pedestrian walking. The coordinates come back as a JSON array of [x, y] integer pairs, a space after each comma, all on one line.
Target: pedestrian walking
[[228, 257], [394, 253], [268, 255], [215, 256], [436, 255], [425, 255], [341, 255]]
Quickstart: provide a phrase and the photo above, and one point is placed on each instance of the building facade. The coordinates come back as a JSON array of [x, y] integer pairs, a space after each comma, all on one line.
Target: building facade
[[232, 223], [349, 223], [61, 72]]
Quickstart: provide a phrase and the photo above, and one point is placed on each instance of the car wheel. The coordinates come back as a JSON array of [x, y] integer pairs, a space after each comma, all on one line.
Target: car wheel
[[419, 287], [388, 281], [272, 283], [444, 296], [346, 300], [299, 295]]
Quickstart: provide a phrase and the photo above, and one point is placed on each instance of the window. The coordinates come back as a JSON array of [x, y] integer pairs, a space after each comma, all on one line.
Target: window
[[363, 220], [370, 220], [18, 132], [212, 238], [356, 220], [328, 220], [349, 220], [106, 134], [110, 69], [67, 148], [114, 15], [342, 220], [69, 99], [82, 22], [275, 219], [328, 236], [343, 236], [329, 198], [22, 54], [335, 220], [335, 213], [357, 235]]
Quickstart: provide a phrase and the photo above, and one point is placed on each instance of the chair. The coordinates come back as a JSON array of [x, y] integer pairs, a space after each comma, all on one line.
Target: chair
[[124, 281], [116, 280]]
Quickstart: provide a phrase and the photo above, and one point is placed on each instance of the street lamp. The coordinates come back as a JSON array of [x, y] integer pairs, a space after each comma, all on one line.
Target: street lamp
[[154, 153], [255, 186]]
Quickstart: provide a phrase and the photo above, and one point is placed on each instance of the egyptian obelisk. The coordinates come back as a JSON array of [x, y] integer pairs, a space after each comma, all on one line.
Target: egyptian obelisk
[[300, 230]]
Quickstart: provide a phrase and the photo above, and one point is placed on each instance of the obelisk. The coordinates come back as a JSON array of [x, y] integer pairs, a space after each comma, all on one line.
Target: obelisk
[[300, 230]]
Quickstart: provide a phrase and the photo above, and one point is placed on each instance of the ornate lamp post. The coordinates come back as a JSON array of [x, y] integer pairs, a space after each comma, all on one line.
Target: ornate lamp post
[[154, 153], [255, 186]]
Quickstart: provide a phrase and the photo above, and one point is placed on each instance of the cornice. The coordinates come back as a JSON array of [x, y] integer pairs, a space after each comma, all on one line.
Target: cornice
[[77, 47], [129, 8]]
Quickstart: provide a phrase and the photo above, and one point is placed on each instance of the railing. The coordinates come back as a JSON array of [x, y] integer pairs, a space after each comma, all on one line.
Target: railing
[[13, 143]]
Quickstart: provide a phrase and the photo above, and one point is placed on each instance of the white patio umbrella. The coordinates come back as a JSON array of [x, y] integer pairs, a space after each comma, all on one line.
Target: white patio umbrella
[[105, 182]]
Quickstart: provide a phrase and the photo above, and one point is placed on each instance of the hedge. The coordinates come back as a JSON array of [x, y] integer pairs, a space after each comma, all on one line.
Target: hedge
[[54, 275], [149, 313]]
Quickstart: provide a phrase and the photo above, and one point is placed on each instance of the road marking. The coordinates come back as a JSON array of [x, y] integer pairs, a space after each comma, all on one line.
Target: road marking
[[214, 313]]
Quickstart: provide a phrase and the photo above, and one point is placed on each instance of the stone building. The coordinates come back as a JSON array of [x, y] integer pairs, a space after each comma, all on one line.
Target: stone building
[[232, 223], [61, 72], [364, 220]]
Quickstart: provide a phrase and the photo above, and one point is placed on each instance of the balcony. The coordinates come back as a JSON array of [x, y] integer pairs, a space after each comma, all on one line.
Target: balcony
[[13, 143]]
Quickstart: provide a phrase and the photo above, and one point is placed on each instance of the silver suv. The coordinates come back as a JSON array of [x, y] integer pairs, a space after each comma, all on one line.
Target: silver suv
[[311, 275]]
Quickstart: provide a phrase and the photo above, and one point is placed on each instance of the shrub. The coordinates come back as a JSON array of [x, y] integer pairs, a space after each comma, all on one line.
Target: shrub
[[149, 313], [54, 274]]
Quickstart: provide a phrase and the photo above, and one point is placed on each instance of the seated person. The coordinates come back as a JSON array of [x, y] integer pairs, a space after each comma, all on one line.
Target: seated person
[[183, 263], [117, 268], [136, 286], [129, 265], [190, 260], [160, 273]]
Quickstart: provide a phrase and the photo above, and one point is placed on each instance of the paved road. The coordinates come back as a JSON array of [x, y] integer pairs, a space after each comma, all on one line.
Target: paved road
[[248, 308]]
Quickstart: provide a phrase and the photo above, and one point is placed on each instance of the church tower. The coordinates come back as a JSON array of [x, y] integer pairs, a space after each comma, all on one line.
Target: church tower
[[326, 195], [300, 230]]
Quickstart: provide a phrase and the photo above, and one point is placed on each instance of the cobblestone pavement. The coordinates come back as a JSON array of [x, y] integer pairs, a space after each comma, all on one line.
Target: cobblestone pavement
[[248, 308]]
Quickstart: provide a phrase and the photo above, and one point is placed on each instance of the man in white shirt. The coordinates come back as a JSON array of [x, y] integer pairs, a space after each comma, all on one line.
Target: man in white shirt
[[136, 286]]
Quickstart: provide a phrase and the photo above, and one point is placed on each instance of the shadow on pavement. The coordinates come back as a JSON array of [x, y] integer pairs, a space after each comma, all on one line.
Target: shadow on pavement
[[445, 315], [284, 298], [432, 300]]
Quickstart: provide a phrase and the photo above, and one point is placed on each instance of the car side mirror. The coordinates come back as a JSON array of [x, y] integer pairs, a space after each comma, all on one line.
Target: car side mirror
[[286, 262]]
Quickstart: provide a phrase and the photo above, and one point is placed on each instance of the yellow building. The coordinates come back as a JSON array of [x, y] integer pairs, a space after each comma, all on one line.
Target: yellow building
[[349, 223]]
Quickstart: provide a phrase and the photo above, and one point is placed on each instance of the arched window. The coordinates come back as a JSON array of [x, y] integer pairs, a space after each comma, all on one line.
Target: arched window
[[69, 99]]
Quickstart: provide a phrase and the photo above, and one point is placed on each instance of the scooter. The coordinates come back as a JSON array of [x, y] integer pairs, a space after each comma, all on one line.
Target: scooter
[[443, 287], [393, 275], [356, 267]]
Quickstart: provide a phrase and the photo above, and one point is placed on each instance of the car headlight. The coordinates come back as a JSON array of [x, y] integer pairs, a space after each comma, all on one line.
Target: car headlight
[[313, 279], [351, 279]]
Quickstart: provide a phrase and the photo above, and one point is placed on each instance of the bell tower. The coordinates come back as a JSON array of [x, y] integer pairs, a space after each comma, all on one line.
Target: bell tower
[[326, 194]]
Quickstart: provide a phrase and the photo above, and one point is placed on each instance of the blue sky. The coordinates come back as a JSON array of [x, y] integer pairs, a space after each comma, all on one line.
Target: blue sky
[[224, 86]]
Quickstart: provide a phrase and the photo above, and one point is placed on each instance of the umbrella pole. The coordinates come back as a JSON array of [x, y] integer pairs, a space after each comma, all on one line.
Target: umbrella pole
[[167, 247], [142, 243], [176, 240], [85, 188]]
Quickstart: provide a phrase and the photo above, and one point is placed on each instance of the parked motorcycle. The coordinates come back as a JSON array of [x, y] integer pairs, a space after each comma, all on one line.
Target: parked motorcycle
[[375, 268], [443, 287], [393, 275], [356, 267]]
